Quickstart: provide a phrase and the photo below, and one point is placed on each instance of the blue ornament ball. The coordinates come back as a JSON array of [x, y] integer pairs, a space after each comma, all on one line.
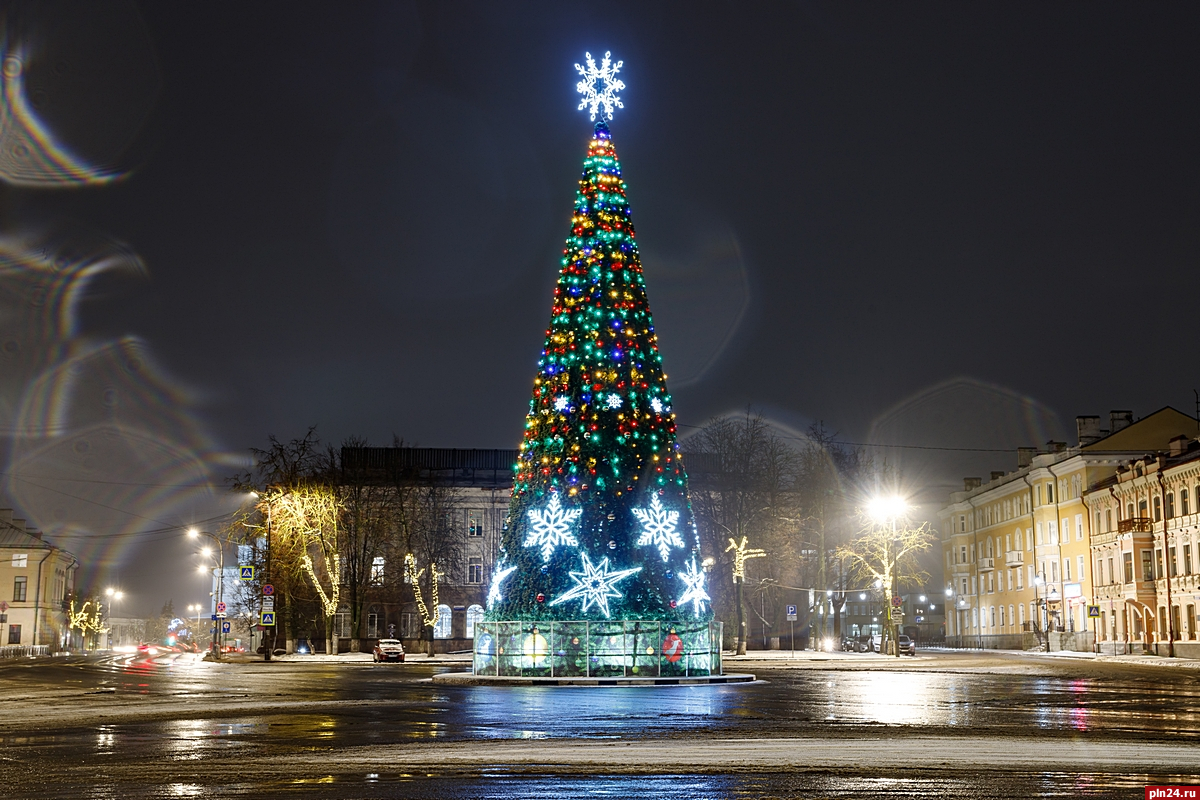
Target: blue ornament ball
[[670, 575], [612, 545]]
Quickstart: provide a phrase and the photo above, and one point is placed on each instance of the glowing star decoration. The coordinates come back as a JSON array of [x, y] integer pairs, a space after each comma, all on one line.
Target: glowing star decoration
[[498, 577], [551, 527], [561, 403], [614, 401], [658, 527], [593, 99], [657, 405], [695, 594], [595, 585]]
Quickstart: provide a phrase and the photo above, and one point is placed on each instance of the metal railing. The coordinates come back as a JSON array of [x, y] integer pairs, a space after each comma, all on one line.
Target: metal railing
[[597, 649], [24, 650], [1135, 525]]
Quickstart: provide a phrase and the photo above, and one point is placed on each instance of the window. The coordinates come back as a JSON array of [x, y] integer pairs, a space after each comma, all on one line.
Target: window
[[474, 526], [1187, 560], [475, 571], [1158, 563], [1028, 538], [1010, 574], [373, 625], [1001, 616], [1079, 527], [1008, 543], [1130, 514], [474, 617], [1127, 560], [1040, 540], [19, 584], [377, 565], [1030, 569], [14, 634], [1147, 566], [993, 617], [1108, 519], [962, 523], [1066, 569], [1021, 610], [1170, 505], [1183, 502], [1174, 560], [1142, 508], [964, 554], [341, 625], [20, 559], [1157, 509], [1019, 584], [1049, 492], [445, 623], [1112, 575], [1052, 531]]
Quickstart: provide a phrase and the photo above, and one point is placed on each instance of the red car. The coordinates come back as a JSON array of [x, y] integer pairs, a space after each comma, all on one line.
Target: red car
[[388, 650]]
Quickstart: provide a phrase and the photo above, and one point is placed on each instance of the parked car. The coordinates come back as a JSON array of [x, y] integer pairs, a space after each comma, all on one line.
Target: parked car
[[877, 643], [863, 645], [388, 650], [907, 645]]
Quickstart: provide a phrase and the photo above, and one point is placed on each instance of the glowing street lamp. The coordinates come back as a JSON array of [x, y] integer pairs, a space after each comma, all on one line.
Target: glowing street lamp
[[195, 534], [113, 596], [884, 510]]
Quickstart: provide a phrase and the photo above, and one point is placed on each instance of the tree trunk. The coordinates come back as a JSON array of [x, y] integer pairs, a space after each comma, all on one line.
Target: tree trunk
[[741, 641], [331, 641]]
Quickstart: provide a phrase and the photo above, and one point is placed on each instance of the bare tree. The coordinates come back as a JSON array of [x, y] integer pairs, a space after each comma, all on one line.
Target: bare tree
[[887, 555], [750, 496]]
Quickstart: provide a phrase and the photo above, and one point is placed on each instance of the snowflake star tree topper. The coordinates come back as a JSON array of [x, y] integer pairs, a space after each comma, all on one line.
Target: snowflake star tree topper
[[693, 578], [593, 98], [551, 527], [658, 527]]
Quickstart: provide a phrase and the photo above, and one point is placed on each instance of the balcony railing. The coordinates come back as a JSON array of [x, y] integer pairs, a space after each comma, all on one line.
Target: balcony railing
[[1014, 558], [1135, 525], [987, 564]]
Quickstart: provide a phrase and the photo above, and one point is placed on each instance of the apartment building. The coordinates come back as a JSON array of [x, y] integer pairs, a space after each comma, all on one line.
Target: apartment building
[[35, 578], [1146, 552], [1017, 549]]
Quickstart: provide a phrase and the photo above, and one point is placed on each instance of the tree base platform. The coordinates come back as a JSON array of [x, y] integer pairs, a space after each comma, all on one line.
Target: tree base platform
[[471, 679]]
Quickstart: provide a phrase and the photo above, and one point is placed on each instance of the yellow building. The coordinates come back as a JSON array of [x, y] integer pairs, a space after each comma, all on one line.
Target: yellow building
[[1017, 550], [35, 577]]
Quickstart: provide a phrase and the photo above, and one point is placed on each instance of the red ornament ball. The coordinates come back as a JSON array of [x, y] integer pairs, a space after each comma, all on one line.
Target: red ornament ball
[[541, 598], [672, 604]]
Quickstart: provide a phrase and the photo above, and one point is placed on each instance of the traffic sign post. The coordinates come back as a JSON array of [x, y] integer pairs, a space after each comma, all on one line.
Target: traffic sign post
[[268, 590], [245, 573], [225, 626], [267, 619], [791, 615], [268, 604], [1094, 615]]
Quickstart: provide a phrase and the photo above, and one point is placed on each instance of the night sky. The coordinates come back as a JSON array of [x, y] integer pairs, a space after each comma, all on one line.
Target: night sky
[[944, 225]]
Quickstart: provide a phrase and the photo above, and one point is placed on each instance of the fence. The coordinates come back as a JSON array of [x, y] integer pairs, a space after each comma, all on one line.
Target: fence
[[24, 650], [597, 649]]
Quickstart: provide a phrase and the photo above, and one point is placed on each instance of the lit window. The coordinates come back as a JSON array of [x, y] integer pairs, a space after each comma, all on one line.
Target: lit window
[[474, 617], [445, 623], [377, 565], [475, 571], [20, 559]]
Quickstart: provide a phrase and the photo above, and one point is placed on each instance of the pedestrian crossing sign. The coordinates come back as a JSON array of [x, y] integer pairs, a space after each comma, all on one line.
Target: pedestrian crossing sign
[[1093, 611], [247, 573], [267, 618]]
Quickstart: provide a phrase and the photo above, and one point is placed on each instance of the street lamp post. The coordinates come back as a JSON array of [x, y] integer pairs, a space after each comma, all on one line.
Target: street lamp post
[[1038, 580], [884, 509], [113, 596], [196, 608], [219, 596]]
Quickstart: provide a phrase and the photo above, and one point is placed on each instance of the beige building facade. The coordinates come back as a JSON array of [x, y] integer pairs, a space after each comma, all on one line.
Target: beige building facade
[[35, 579], [1017, 550]]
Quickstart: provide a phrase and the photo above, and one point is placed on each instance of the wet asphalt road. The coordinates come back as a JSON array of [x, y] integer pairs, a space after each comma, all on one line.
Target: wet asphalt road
[[943, 725]]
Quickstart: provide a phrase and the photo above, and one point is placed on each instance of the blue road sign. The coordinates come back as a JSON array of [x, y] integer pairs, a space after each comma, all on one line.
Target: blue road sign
[[225, 627], [214, 616], [267, 618], [247, 573], [791, 613]]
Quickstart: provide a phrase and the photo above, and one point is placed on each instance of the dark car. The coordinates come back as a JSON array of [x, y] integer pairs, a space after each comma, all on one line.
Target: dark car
[[907, 646], [388, 650]]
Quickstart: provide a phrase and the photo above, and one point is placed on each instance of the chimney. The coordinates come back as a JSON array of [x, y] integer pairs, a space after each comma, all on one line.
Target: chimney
[[997, 475], [1119, 419], [1178, 445], [1025, 456], [972, 483], [1056, 447], [1088, 428], [5, 515]]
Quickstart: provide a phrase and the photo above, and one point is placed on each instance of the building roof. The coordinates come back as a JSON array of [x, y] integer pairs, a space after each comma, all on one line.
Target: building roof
[[1148, 434]]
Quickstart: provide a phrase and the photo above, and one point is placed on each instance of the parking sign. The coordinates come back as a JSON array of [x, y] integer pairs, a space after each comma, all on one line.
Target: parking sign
[[791, 613]]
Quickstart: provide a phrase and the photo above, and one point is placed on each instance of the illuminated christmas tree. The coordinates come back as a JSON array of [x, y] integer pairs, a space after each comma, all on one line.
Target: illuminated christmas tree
[[600, 527]]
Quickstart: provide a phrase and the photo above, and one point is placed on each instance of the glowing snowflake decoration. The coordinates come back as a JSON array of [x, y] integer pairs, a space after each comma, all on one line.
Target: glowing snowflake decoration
[[561, 403], [657, 405], [613, 401], [551, 527], [606, 97], [695, 594], [595, 585], [497, 578], [658, 527]]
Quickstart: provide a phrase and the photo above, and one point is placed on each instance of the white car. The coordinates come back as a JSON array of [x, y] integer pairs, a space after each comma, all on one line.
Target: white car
[[388, 650]]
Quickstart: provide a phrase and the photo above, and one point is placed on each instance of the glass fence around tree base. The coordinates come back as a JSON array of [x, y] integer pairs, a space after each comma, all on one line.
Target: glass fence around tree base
[[604, 649]]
